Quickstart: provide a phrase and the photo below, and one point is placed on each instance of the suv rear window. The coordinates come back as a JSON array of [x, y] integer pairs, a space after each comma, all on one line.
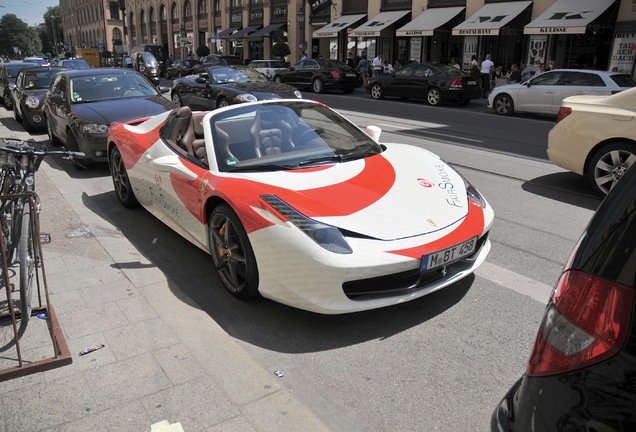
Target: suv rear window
[[623, 80]]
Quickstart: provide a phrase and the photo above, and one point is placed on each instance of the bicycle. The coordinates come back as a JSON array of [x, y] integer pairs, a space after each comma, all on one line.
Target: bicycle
[[19, 160]]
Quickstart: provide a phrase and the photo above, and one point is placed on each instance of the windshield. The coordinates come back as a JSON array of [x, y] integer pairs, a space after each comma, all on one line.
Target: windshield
[[149, 59], [225, 75], [38, 80], [107, 87], [286, 135], [75, 64]]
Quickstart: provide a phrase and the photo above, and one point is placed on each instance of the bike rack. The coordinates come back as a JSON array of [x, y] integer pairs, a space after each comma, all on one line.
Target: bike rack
[[61, 354]]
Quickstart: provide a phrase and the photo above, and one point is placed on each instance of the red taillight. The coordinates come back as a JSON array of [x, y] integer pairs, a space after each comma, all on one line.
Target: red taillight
[[563, 113], [457, 83], [335, 74], [586, 323]]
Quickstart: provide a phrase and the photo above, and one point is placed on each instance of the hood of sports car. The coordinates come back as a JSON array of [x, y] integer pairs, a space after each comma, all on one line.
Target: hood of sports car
[[118, 110], [403, 192], [265, 90]]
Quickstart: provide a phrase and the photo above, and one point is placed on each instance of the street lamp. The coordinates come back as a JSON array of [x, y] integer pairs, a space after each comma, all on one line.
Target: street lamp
[[182, 35], [300, 16]]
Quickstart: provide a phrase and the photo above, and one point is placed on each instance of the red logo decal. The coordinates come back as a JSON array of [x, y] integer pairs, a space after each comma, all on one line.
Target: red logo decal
[[425, 183], [158, 180]]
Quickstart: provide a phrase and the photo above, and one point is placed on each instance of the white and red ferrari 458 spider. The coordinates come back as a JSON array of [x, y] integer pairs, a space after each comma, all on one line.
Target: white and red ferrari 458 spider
[[296, 203]]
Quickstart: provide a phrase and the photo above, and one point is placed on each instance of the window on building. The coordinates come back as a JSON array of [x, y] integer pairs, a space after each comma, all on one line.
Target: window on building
[[203, 7], [187, 9]]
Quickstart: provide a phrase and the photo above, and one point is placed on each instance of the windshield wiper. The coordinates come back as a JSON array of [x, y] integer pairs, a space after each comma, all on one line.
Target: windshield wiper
[[359, 152], [260, 167]]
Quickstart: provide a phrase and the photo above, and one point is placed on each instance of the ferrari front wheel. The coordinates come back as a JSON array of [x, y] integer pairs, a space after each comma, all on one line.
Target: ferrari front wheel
[[121, 182], [232, 253]]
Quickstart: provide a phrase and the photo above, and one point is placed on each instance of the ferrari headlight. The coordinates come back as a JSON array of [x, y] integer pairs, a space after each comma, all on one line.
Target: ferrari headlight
[[93, 128], [245, 98], [298, 94], [327, 236], [474, 194], [32, 102]]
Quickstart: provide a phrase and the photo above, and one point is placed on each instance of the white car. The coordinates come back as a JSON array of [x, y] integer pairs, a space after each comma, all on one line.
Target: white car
[[296, 203], [544, 93], [595, 136], [269, 68]]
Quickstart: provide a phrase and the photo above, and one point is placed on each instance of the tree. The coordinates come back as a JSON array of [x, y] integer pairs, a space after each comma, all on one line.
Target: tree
[[202, 51], [280, 49], [52, 35], [15, 33]]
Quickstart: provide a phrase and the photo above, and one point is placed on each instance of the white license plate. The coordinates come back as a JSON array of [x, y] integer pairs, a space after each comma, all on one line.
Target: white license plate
[[350, 75], [471, 82], [448, 255]]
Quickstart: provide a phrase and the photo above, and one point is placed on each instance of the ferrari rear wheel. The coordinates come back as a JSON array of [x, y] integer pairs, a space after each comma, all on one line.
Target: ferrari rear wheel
[[121, 182], [176, 99], [232, 253]]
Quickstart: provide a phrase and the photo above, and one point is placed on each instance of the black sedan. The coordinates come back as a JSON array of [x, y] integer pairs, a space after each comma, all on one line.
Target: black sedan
[[8, 75], [221, 86], [27, 96], [581, 375], [180, 68], [82, 103], [434, 83], [320, 75]]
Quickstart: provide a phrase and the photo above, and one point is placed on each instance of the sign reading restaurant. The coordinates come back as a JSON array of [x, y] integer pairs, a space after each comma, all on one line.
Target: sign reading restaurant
[[470, 32]]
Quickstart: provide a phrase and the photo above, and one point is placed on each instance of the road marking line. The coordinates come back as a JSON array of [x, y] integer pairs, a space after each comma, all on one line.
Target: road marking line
[[514, 281]]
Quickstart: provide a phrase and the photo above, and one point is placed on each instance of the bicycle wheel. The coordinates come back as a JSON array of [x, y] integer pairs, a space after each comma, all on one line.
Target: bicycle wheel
[[7, 219], [27, 264]]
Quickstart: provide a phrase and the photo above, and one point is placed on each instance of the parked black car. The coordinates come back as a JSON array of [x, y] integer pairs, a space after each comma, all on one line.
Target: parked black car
[[73, 64], [434, 83], [221, 86], [217, 60], [581, 375], [320, 75], [82, 103], [146, 63], [28, 95], [180, 68], [8, 74]]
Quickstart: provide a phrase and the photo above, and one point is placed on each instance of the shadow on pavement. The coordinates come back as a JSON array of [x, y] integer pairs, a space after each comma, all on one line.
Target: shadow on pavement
[[261, 322], [566, 187]]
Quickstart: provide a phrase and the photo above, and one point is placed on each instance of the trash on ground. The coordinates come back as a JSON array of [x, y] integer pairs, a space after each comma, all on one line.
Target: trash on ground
[[91, 349], [278, 373]]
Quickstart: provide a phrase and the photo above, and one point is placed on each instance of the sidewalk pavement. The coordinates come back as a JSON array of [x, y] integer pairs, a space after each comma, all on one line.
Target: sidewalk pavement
[[165, 365]]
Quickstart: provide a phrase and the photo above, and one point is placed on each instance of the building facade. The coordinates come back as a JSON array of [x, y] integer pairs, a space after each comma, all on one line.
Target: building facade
[[599, 34]]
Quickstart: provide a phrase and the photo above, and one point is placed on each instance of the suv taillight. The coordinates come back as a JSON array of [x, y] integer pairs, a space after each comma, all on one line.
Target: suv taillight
[[587, 322], [563, 113]]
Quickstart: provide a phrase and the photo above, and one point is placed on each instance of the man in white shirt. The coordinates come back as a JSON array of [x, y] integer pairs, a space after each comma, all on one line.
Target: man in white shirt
[[378, 65], [486, 69]]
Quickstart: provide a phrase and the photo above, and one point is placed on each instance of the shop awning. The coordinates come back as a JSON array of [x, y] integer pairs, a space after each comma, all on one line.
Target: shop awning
[[265, 31], [243, 32], [333, 28], [426, 23], [568, 16], [490, 18], [374, 26], [225, 33]]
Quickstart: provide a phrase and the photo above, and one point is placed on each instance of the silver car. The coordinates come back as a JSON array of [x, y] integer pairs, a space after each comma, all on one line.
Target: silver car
[[544, 93]]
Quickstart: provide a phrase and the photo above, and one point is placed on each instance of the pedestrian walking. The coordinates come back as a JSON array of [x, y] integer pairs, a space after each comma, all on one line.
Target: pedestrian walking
[[350, 61], [363, 67]]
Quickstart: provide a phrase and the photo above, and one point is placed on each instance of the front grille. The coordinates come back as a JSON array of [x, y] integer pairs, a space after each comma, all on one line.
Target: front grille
[[400, 283]]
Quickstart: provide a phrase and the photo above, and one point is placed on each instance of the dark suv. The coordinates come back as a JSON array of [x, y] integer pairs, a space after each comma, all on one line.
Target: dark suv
[[581, 375]]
